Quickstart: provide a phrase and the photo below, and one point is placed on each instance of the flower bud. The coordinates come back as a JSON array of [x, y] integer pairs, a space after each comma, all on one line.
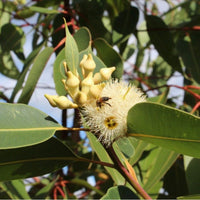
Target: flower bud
[[63, 102], [82, 63], [80, 98], [88, 65], [95, 90], [103, 75], [87, 83], [51, 98], [72, 84]]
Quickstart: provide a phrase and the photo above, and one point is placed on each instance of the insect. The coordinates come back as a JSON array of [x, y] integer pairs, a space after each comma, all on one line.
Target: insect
[[101, 101]]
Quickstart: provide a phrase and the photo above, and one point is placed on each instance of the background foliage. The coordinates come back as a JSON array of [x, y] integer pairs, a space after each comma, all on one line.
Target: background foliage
[[153, 44]]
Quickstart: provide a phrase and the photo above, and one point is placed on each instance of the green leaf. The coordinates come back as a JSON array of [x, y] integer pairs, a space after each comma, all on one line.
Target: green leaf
[[194, 196], [192, 174], [165, 126], [12, 41], [104, 157], [22, 125], [43, 10], [29, 60], [15, 189], [43, 193], [7, 66], [162, 159], [109, 56], [125, 23], [125, 146], [34, 75], [34, 160], [189, 51], [119, 192], [162, 39], [59, 74], [71, 51], [83, 38]]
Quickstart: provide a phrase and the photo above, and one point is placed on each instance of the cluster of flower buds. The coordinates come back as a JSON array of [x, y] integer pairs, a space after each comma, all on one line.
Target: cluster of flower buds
[[81, 90]]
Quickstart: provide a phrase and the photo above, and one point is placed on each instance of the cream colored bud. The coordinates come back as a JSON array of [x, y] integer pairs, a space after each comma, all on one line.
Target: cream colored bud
[[72, 83], [63, 102], [82, 63], [65, 67], [103, 75], [81, 98], [87, 83], [107, 72], [89, 65], [51, 98], [95, 90]]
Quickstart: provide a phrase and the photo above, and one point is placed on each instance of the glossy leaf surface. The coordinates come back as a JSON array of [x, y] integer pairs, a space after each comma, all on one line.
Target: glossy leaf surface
[[34, 160], [22, 125], [166, 127]]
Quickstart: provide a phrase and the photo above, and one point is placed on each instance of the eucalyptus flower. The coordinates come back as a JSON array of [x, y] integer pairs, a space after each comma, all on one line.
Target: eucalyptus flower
[[103, 102]]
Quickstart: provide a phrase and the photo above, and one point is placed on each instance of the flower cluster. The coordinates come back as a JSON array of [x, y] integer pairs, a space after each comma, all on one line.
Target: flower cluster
[[103, 103], [81, 91]]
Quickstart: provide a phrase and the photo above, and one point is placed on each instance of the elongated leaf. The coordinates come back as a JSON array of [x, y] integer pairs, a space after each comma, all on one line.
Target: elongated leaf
[[109, 56], [34, 75], [15, 189], [162, 160], [43, 193], [43, 10], [34, 160], [22, 76], [162, 39], [58, 73], [166, 127], [22, 125], [71, 51], [197, 196], [104, 157], [119, 192]]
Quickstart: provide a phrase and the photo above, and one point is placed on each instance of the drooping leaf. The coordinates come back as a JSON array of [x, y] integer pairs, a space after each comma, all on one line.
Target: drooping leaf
[[120, 192], [165, 126], [34, 160], [162, 39], [71, 51], [34, 75], [22, 125], [15, 189], [109, 56]]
